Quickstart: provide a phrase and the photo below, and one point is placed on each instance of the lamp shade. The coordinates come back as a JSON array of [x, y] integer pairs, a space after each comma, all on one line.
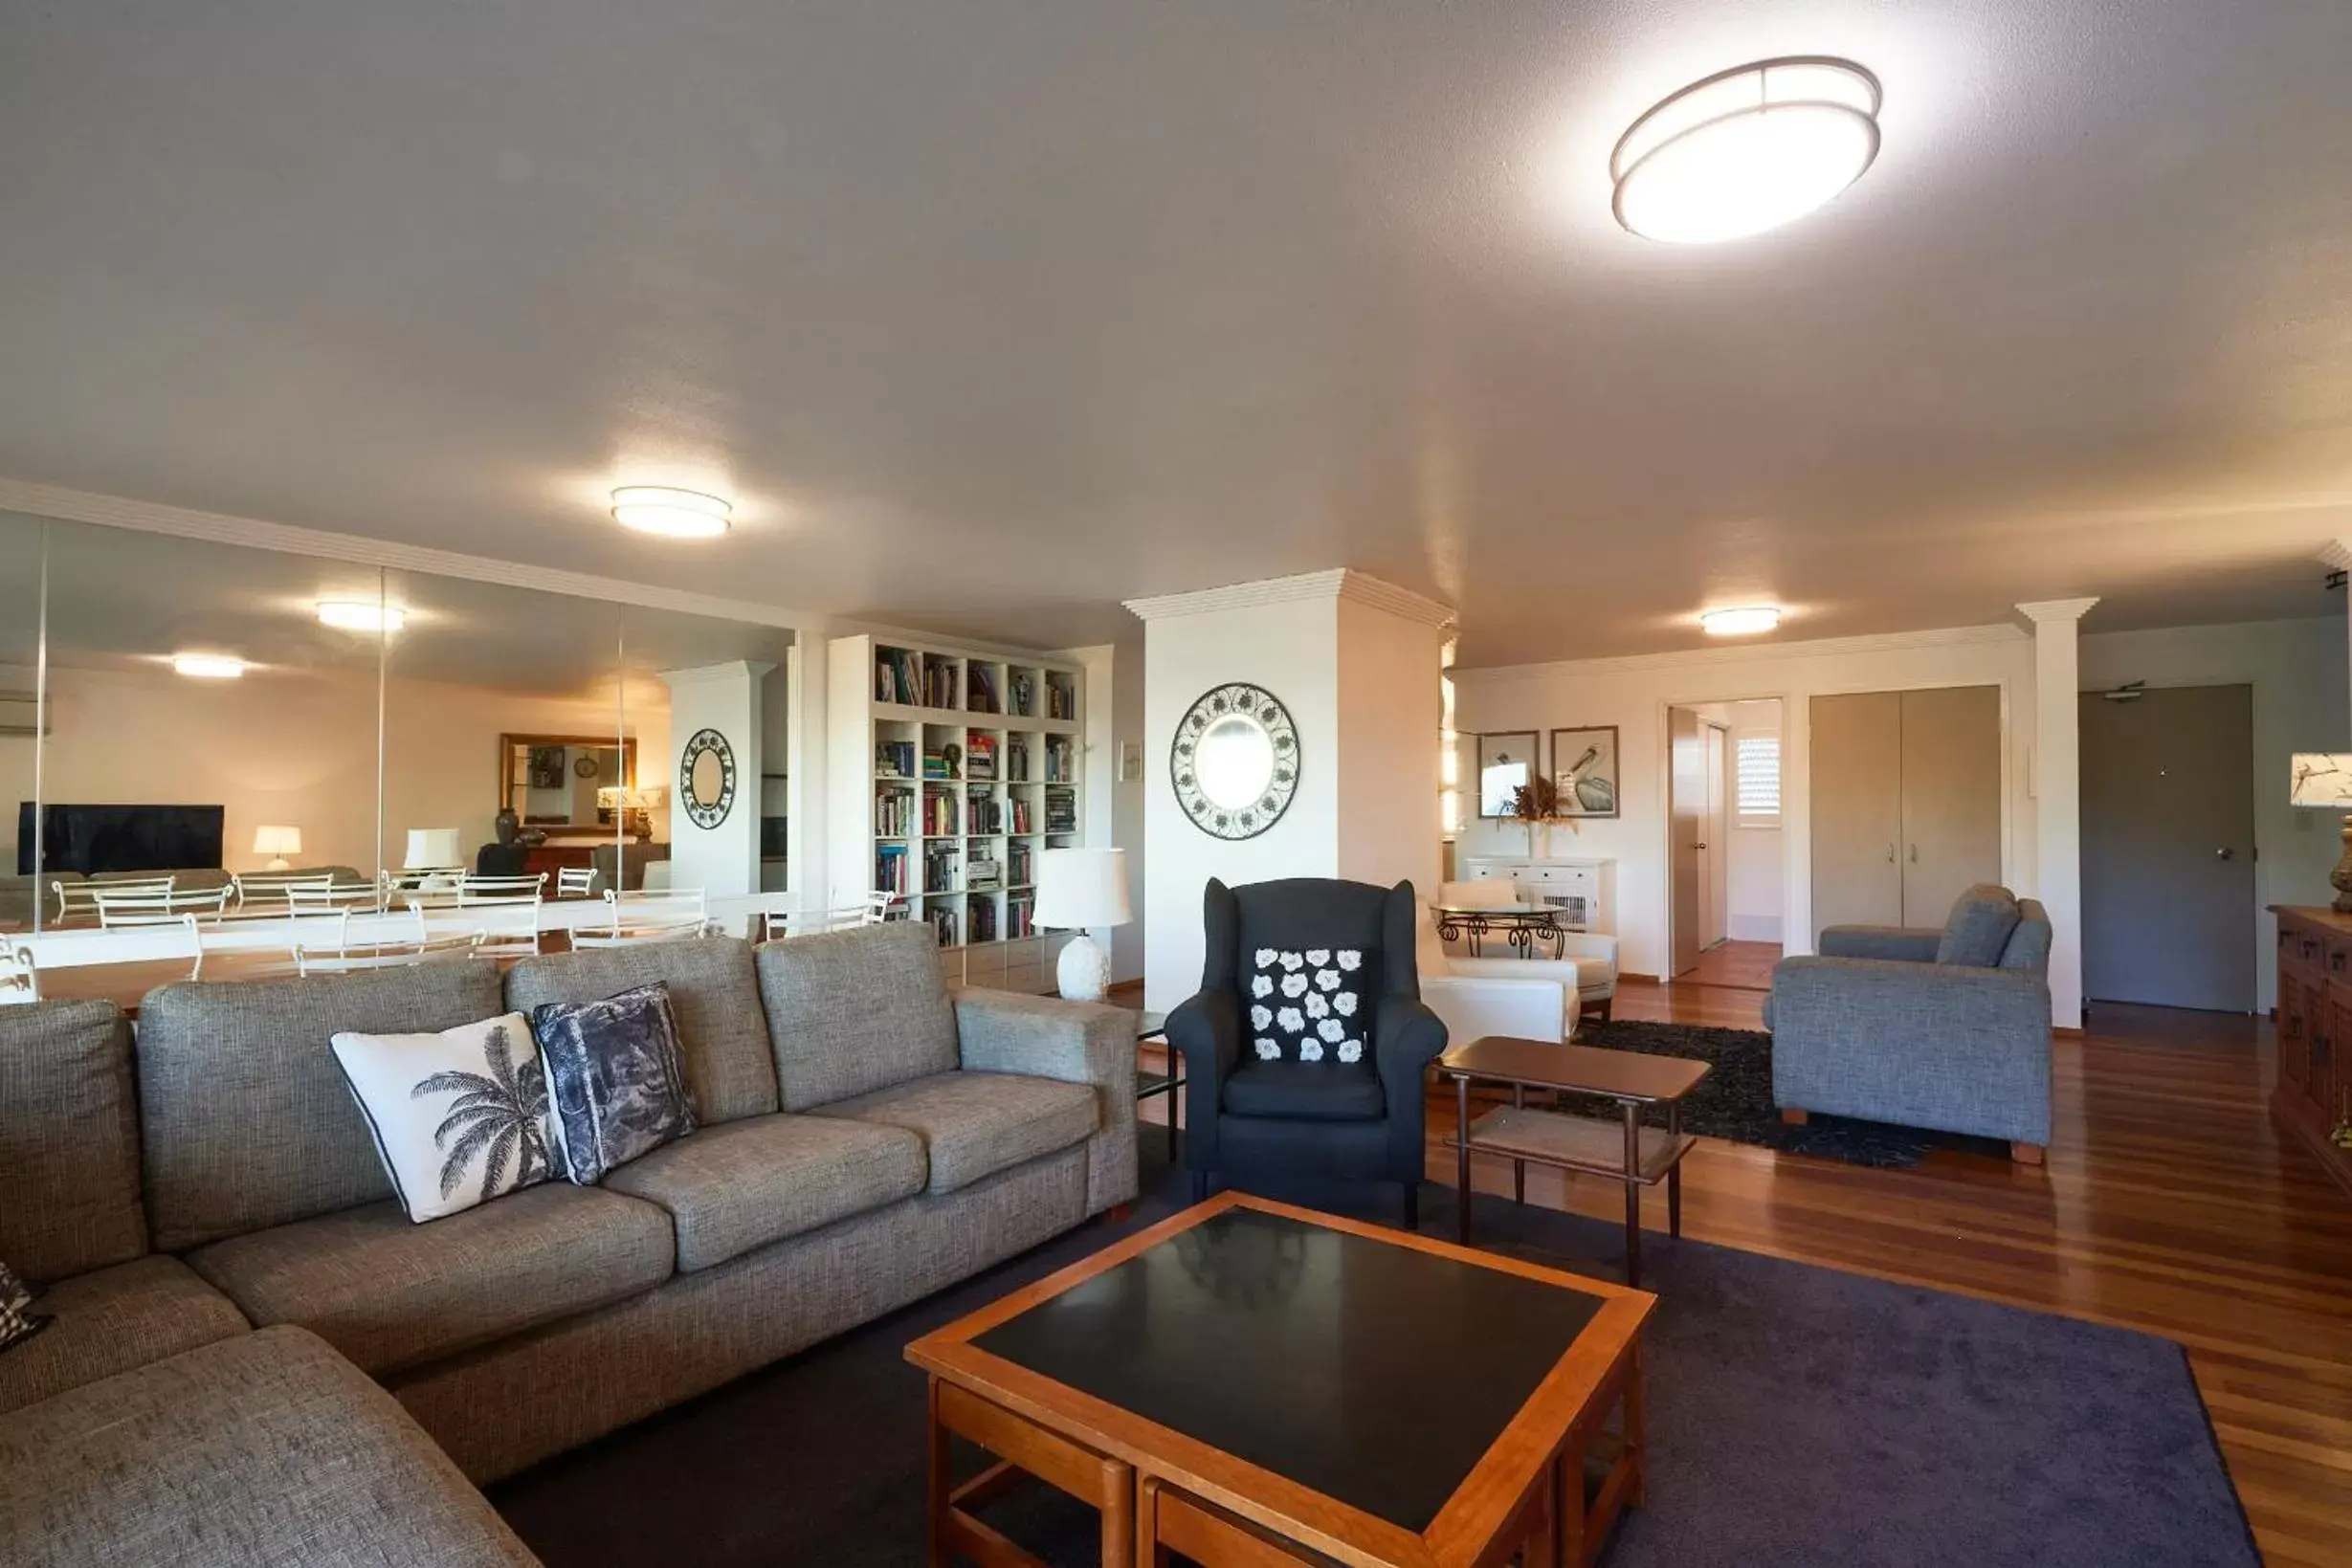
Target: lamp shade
[[2321, 779], [1082, 888], [431, 848], [277, 840]]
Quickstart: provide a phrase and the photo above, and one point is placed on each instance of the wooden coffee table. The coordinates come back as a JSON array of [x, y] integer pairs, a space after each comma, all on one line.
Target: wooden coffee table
[[1635, 1154], [1250, 1383]]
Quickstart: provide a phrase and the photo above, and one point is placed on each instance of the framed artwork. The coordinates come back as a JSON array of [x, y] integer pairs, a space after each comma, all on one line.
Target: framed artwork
[[1585, 767], [1506, 760], [546, 769]]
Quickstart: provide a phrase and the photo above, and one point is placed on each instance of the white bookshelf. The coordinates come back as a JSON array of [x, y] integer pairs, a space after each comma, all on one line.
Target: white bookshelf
[[949, 769]]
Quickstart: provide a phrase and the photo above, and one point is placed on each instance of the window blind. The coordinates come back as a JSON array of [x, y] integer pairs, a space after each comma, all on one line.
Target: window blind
[[1756, 777]]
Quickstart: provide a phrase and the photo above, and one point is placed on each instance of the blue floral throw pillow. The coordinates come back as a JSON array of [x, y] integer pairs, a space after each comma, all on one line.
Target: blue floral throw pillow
[[613, 1076], [16, 1325], [1309, 1006]]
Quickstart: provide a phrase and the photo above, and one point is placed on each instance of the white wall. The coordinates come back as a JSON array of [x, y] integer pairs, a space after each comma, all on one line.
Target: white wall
[[1126, 809], [1634, 694], [1291, 648], [1390, 706], [2299, 674]]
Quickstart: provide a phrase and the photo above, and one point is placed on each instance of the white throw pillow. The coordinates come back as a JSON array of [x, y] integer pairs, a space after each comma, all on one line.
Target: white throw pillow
[[459, 1117]]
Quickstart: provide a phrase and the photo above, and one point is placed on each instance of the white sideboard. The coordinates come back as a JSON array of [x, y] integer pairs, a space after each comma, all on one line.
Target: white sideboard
[[1585, 890]]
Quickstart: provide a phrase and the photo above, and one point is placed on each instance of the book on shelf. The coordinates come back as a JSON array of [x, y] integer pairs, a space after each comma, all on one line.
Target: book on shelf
[[939, 681], [894, 759], [980, 689], [1061, 758], [1016, 759], [1021, 821], [1061, 809], [983, 814], [1061, 696], [894, 813], [1022, 685], [943, 919], [890, 876], [1020, 915], [941, 863], [896, 676], [978, 755], [939, 812], [1018, 865], [983, 928], [981, 874]]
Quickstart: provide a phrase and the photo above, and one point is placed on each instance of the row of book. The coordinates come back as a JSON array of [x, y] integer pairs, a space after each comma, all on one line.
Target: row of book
[[1018, 870], [979, 755], [938, 813], [984, 815], [894, 759], [928, 681], [894, 813], [1061, 809], [1061, 696], [890, 870], [1061, 758], [1020, 915], [941, 864]]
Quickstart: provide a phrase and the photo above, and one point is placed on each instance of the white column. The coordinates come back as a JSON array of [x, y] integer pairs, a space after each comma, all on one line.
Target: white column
[[2337, 554], [2057, 793], [803, 836], [722, 859]]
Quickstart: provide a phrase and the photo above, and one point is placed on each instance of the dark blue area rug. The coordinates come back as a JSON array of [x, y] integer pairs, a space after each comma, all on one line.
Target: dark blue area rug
[[1798, 1416]]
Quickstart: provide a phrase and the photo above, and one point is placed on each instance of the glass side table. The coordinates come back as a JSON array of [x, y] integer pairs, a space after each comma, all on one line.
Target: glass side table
[[1171, 1083]]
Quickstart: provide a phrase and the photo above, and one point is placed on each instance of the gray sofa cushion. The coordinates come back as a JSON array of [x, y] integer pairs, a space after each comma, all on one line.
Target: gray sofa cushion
[[1978, 928], [248, 1122], [731, 1189], [730, 1070], [69, 1140], [2028, 945], [265, 1451], [853, 1011], [113, 1320], [975, 1124], [392, 1294]]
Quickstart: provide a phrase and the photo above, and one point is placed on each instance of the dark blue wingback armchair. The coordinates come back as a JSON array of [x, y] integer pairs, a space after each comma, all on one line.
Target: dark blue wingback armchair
[[1355, 1111]]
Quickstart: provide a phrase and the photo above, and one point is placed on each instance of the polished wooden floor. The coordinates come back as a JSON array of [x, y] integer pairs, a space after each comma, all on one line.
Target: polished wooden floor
[[1746, 966], [2169, 1204]]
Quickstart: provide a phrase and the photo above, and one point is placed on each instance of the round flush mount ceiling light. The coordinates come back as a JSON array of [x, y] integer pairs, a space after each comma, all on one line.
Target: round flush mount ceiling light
[[208, 666], [1746, 149], [671, 514], [360, 615], [1745, 621]]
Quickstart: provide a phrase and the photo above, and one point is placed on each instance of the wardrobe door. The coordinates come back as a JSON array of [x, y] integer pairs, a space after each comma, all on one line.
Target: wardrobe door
[[1857, 789], [1951, 798]]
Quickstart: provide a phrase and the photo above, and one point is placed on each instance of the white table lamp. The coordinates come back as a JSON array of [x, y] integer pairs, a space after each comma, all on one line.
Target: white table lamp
[[432, 850], [277, 842], [1077, 889], [2324, 780]]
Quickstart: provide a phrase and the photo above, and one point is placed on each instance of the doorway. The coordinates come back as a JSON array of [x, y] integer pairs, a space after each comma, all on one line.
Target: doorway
[[2169, 848], [1700, 847]]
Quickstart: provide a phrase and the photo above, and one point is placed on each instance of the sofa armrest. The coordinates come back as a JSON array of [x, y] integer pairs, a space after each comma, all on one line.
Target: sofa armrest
[[1922, 1045], [1907, 945], [1529, 1007], [1206, 1029], [1407, 1037], [1076, 1042]]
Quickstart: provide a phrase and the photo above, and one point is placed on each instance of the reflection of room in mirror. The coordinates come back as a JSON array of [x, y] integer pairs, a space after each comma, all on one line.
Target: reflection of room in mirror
[[1235, 764]]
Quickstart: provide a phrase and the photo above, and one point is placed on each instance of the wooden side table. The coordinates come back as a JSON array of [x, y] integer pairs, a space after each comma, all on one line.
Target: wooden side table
[[1637, 1156]]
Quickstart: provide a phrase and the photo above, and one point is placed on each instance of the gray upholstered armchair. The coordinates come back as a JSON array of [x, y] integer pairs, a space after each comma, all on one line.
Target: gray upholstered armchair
[[1947, 1029]]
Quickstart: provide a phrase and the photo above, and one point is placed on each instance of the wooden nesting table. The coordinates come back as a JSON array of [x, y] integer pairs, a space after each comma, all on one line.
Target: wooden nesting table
[[1248, 1384], [1637, 1156]]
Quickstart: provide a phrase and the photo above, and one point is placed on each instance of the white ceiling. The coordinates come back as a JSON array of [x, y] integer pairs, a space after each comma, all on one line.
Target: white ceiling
[[993, 313]]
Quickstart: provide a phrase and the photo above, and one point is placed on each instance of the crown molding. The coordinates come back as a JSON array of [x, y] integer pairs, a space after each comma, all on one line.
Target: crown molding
[[2051, 611], [1338, 582], [286, 539], [1746, 653]]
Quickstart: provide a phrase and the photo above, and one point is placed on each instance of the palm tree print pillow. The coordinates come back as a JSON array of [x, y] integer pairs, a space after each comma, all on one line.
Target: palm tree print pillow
[[459, 1117], [16, 1325], [613, 1073]]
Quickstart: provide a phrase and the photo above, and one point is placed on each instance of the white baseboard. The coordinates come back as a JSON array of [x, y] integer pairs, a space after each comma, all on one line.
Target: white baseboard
[[1755, 928]]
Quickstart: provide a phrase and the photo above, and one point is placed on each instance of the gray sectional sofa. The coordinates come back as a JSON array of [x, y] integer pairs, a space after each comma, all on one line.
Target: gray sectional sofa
[[866, 1138]]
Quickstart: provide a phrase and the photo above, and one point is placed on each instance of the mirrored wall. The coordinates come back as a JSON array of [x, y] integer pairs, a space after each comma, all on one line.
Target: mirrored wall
[[217, 715]]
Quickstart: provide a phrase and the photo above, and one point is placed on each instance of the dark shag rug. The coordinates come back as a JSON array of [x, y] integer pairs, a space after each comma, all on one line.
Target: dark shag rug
[[1798, 1416], [1735, 1100]]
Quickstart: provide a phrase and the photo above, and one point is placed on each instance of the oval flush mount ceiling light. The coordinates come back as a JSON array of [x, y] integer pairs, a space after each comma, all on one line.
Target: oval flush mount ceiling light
[[1746, 149], [208, 666], [671, 514], [360, 615], [1743, 622]]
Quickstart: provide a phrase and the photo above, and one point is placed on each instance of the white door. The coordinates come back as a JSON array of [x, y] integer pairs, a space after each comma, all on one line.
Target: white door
[[1713, 846], [1686, 808]]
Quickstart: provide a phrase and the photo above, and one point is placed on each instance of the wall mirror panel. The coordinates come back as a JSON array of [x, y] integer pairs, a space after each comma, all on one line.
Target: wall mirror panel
[[20, 622]]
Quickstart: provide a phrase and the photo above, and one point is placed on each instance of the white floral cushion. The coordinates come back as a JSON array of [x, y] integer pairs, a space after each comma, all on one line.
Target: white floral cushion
[[1309, 1006], [459, 1117]]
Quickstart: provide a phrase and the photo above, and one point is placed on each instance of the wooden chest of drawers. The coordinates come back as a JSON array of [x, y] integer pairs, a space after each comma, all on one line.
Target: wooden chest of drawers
[[2313, 1094]]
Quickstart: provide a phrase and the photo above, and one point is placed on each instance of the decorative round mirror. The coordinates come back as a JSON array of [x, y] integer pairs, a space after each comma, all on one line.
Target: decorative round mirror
[[1236, 761], [706, 778]]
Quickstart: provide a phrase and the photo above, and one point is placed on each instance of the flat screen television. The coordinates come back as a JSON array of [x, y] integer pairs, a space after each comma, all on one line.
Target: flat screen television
[[92, 839]]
